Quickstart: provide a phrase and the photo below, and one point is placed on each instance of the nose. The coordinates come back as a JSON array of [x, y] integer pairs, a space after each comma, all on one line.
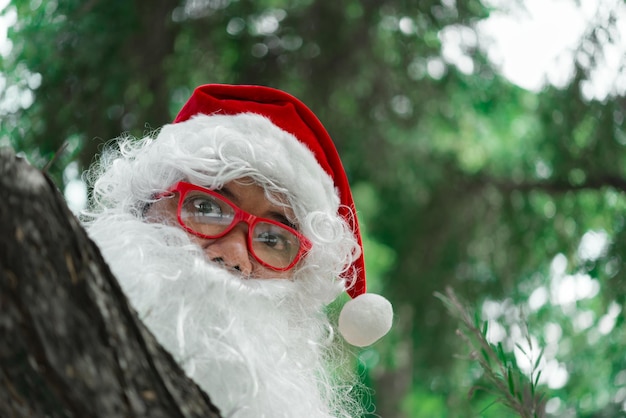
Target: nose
[[231, 250]]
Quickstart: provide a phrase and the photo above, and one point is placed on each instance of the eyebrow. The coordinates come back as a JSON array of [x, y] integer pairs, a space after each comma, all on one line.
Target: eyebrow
[[283, 220], [225, 191], [272, 214]]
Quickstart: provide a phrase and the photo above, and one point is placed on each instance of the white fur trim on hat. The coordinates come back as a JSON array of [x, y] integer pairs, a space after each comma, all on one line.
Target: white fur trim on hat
[[275, 153]]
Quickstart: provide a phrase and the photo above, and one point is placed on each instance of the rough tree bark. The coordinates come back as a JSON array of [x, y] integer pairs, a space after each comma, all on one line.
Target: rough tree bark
[[70, 344]]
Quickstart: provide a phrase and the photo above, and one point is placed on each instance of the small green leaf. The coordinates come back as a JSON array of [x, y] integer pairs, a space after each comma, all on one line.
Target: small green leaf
[[538, 360], [501, 354], [476, 320], [485, 354], [511, 382]]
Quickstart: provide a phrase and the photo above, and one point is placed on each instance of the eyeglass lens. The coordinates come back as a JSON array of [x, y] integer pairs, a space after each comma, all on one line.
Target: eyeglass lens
[[211, 216]]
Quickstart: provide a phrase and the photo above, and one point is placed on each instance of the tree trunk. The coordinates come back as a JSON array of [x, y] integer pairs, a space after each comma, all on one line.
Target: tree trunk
[[70, 344]]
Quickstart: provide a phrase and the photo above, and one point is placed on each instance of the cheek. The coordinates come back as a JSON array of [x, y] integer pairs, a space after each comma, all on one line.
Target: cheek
[[163, 211], [262, 272]]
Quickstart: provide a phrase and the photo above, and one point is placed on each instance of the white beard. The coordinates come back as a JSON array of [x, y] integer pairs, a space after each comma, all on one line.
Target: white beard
[[257, 347]]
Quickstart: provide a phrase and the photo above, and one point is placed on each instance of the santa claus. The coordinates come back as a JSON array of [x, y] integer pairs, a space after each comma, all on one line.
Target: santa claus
[[230, 231]]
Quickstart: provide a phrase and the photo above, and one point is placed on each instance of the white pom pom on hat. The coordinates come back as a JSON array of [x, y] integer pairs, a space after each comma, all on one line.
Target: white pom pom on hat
[[367, 317]]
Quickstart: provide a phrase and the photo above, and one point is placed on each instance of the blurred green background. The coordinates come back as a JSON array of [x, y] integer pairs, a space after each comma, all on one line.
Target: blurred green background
[[508, 190]]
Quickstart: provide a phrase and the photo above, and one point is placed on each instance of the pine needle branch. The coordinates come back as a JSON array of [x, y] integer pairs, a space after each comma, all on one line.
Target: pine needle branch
[[511, 387]]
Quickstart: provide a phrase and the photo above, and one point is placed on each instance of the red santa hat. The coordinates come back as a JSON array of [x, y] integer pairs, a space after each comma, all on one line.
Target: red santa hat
[[367, 317]]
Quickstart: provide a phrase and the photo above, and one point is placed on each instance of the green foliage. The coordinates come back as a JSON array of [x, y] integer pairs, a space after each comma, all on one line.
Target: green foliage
[[501, 375], [461, 180]]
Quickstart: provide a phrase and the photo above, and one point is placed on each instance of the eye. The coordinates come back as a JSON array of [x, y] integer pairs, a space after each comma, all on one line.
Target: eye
[[206, 206], [275, 245], [203, 208], [273, 240]]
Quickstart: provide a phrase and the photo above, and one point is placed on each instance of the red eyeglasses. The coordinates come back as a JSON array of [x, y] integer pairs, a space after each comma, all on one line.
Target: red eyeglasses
[[207, 214]]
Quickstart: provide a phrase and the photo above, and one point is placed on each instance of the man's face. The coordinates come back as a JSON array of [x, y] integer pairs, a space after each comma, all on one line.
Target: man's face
[[231, 250]]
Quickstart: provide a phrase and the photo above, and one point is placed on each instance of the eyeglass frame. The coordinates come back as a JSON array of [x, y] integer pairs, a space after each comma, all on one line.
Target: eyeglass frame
[[240, 215]]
